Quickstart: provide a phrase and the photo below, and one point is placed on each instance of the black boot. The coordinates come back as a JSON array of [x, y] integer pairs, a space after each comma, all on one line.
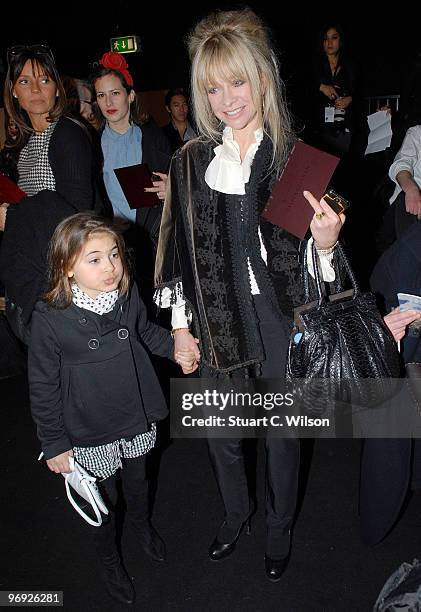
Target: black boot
[[115, 576], [150, 540], [118, 583], [225, 542], [275, 568]]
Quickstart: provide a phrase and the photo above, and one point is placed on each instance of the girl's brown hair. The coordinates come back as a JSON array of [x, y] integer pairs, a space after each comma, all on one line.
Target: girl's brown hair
[[66, 245]]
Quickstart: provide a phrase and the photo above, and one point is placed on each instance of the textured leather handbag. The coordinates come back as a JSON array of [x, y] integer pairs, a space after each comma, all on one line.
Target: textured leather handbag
[[85, 485], [340, 348]]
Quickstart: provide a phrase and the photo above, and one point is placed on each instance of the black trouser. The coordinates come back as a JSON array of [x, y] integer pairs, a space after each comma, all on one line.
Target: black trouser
[[282, 455], [135, 490]]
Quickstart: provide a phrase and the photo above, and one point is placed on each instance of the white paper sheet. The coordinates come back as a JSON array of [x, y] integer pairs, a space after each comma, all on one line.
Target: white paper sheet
[[380, 132]]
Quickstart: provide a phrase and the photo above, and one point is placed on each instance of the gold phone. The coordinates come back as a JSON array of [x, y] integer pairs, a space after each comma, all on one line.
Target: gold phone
[[335, 201]]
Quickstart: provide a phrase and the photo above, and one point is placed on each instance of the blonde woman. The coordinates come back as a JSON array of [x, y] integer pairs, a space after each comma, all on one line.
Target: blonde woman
[[227, 273]]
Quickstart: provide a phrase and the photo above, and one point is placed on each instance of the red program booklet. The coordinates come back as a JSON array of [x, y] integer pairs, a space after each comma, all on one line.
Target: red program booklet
[[133, 180], [10, 193], [307, 169]]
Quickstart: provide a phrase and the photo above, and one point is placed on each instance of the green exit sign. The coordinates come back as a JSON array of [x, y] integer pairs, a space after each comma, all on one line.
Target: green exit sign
[[124, 44]]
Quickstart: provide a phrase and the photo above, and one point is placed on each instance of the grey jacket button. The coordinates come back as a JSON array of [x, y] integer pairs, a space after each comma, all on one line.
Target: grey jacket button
[[83, 321], [93, 343], [123, 334]]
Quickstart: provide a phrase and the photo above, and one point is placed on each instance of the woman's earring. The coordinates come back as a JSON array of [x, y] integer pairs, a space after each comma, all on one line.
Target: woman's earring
[[15, 96]]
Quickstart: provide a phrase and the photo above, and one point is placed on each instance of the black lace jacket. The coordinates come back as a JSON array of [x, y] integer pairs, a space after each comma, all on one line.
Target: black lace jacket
[[205, 240]]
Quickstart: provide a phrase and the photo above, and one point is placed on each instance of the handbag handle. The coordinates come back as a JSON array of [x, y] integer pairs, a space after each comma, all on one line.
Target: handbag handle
[[92, 501], [343, 260]]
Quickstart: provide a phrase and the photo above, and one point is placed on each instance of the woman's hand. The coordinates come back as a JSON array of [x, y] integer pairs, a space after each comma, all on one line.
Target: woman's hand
[[326, 224], [343, 103], [186, 344], [159, 187], [329, 91], [3, 212], [60, 463], [398, 321]]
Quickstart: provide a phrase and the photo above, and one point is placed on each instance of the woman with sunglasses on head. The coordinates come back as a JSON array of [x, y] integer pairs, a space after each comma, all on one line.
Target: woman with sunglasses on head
[[54, 152], [54, 160]]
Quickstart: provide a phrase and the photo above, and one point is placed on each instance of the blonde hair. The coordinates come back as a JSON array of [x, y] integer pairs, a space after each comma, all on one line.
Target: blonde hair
[[66, 245], [231, 45]]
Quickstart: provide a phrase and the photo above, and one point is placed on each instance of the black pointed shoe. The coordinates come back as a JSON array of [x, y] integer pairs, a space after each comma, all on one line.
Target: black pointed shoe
[[118, 584], [275, 568], [151, 541], [219, 550]]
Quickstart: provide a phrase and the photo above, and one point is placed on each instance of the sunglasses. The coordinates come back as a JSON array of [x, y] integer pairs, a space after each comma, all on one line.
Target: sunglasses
[[13, 53]]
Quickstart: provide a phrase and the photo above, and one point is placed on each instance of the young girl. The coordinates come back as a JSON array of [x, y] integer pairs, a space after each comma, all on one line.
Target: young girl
[[94, 393]]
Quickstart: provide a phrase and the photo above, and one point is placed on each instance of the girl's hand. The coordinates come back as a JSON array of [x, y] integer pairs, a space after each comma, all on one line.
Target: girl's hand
[[185, 343], [159, 187], [187, 361], [326, 224], [60, 463], [398, 321]]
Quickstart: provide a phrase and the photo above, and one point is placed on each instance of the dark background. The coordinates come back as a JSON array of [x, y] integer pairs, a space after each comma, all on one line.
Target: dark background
[[383, 42]]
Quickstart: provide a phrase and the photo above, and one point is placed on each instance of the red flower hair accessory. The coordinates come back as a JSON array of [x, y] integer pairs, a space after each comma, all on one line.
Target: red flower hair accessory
[[115, 61]]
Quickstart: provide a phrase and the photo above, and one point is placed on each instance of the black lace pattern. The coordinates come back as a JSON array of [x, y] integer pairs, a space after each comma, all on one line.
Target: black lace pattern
[[220, 232]]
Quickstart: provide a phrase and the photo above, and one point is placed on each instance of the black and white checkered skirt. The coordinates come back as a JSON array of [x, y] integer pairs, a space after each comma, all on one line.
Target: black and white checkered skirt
[[104, 461]]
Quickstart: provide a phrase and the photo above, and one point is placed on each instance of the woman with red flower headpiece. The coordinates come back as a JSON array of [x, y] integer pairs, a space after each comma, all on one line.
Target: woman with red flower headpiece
[[129, 137]]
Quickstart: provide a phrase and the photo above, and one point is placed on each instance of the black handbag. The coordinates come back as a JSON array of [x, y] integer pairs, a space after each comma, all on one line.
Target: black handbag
[[340, 348]]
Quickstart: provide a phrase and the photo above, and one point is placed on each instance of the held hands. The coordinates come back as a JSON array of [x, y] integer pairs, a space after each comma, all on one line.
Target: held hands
[[398, 321], [186, 351], [326, 224], [60, 463], [159, 187], [187, 361]]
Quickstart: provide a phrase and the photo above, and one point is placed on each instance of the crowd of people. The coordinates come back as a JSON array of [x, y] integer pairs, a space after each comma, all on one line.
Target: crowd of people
[[82, 270]]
